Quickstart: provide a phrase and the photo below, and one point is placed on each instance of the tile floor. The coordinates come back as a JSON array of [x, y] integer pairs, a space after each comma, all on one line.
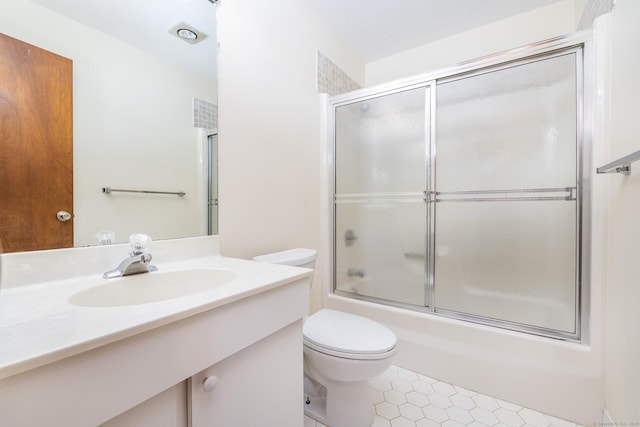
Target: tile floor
[[403, 398]]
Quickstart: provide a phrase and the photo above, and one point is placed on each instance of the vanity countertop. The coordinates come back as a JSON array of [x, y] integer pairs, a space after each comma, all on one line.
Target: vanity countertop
[[38, 325]]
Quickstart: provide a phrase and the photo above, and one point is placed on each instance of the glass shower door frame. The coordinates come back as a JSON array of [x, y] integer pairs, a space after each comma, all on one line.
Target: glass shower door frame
[[580, 42], [397, 198], [558, 194]]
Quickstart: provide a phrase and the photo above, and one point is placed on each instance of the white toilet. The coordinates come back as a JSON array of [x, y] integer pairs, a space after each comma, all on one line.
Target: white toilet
[[342, 352]]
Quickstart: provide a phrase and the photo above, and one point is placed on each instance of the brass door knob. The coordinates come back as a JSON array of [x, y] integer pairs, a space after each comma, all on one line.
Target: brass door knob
[[63, 216]]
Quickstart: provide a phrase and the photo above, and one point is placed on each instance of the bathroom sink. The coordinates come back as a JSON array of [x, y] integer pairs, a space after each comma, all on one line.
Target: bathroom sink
[[151, 287]]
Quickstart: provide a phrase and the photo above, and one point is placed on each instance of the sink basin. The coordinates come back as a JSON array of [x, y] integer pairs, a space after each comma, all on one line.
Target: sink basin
[[151, 287]]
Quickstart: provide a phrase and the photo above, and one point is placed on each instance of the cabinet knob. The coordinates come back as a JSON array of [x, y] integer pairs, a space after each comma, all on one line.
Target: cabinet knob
[[209, 383]]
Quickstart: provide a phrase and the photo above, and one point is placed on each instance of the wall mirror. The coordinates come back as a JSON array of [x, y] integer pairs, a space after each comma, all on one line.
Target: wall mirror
[[144, 114]]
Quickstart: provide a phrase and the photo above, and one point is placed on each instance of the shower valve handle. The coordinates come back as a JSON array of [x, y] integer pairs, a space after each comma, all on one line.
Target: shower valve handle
[[349, 237]]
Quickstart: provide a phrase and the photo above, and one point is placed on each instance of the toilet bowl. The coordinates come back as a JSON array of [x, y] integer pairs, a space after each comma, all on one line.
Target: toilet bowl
[[342, 352]]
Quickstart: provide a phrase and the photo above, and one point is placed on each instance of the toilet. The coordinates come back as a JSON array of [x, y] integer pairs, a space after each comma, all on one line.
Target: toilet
[[342, 352]]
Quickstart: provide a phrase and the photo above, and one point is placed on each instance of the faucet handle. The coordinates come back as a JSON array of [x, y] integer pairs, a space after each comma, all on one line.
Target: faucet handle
[[139, 243]]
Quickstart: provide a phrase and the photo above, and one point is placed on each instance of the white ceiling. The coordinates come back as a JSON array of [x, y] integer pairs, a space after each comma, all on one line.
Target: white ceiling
[[372, 28], [375, 29], [145, 24]]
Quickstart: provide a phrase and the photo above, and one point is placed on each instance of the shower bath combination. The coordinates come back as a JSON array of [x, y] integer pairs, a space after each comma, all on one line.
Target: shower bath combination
[[463, 193]]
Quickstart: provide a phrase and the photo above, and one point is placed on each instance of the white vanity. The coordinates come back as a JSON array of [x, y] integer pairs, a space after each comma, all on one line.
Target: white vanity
[[123, 361]]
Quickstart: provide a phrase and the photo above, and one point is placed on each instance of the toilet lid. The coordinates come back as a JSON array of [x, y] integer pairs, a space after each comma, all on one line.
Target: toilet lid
[[296, 257], [347, 333]]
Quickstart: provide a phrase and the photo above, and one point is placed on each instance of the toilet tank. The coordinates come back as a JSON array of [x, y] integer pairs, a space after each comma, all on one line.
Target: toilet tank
[[298, 257]]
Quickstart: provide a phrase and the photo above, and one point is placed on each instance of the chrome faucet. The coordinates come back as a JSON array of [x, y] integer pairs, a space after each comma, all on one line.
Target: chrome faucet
[[139, 260]]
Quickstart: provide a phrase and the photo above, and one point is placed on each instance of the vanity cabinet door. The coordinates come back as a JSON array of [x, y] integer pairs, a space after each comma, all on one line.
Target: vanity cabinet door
[[260, 385], [167, 409]]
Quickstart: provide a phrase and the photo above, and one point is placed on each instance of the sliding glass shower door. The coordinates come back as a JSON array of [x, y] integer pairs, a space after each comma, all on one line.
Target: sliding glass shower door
[[505, 206], [380, 212], [462, 196]]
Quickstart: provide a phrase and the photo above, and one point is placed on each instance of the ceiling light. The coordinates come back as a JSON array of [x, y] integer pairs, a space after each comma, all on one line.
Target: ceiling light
[[187, 33]]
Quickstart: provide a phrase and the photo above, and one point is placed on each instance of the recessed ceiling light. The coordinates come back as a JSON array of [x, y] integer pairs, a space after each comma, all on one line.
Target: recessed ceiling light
[[187, 33]]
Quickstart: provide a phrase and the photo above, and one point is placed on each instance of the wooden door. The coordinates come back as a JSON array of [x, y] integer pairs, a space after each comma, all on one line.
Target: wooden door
[[36, 147]]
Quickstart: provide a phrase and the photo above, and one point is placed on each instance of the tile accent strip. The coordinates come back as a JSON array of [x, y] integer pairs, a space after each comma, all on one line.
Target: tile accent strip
[[205, 114], [594, 9], [332, 79]]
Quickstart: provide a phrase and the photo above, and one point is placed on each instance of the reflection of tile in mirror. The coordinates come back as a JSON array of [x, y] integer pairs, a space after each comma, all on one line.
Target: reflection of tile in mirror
[[205, 114]]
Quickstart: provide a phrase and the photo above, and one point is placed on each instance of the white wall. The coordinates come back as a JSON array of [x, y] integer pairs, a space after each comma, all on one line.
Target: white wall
[[271, 199], [580, 6], [133, 128], [272, 188], [623, 281], [540, 24], [272, 164]]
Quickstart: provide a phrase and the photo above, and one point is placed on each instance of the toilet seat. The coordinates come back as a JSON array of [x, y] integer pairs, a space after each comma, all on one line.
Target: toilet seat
[[352, 356], [348, 336]]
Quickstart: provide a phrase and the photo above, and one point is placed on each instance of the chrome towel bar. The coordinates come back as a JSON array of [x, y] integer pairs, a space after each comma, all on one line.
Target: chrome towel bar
[[108, 190], [622, 165]]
